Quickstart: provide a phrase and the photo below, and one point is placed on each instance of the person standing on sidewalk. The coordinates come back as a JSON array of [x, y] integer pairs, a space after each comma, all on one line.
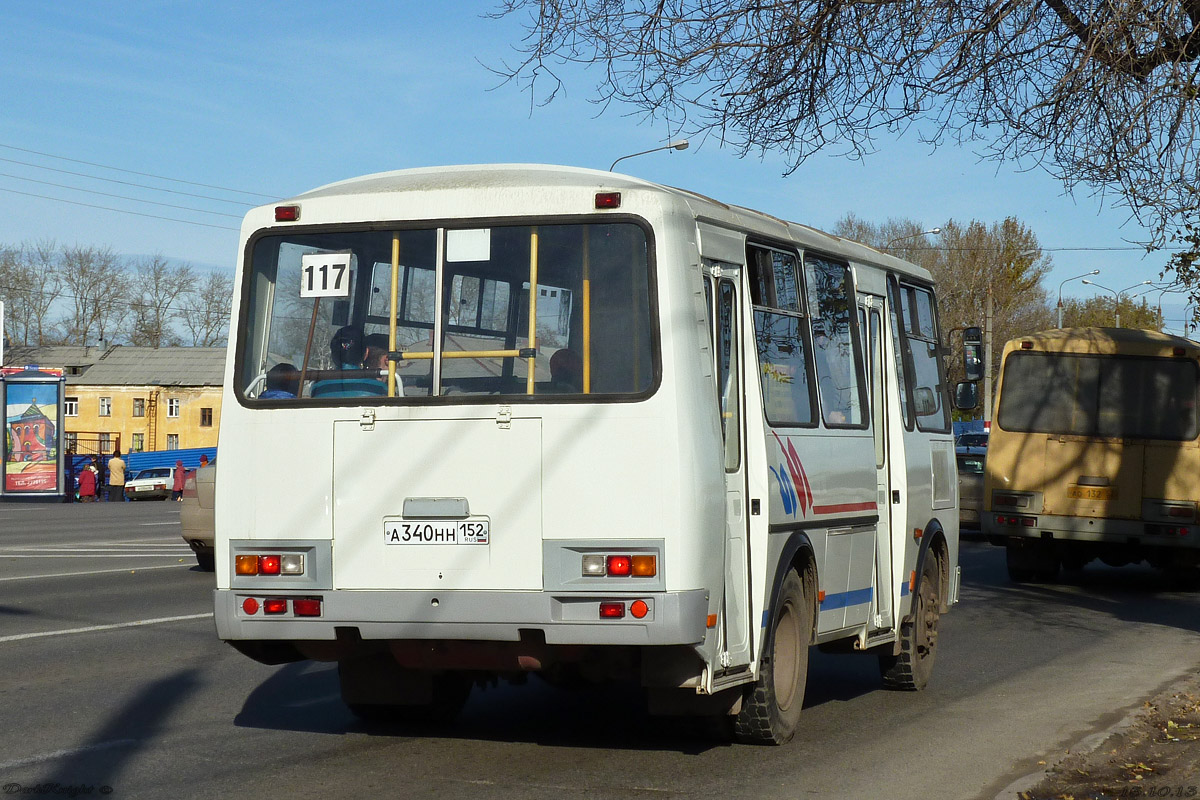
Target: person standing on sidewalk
[[177, 485], [116, 478]]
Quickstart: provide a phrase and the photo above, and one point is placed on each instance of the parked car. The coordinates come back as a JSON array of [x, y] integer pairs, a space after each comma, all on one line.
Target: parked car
[[196, 514], [151, 484], [970, 490], [973, 444]]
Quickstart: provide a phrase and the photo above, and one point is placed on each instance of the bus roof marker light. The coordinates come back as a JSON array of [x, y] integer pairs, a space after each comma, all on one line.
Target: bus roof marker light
[[608, 199], [1026, 345], [287, 213]]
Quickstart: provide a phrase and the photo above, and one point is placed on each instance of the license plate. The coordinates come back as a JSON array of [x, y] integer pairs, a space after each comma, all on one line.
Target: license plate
[[436, 531], [141, 488], [1090, 492]]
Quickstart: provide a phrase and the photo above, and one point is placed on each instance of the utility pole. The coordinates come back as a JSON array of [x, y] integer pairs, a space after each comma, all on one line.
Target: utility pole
[[987, 359]]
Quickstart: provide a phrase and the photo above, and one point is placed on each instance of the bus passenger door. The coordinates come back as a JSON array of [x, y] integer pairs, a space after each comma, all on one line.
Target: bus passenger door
[[728, 348], [879, 426]]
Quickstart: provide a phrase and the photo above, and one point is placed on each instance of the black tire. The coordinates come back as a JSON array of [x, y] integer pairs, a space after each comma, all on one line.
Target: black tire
[[207, 561], [912, 668], [771, 708]]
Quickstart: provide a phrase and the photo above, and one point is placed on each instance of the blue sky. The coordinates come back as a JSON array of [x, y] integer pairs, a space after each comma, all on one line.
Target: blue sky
[[276, 98]]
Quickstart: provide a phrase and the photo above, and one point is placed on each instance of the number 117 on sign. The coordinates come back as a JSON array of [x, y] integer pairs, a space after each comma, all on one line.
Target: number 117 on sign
[[325, 275]]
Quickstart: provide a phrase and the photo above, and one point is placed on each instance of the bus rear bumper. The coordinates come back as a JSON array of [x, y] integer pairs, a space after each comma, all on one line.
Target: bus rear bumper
[[670, 617], [1094, 530]]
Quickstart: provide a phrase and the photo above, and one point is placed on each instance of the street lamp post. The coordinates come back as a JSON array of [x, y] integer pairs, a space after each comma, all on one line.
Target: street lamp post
[[679, 144], [931, 231], [1117, 294], [1068, 280]]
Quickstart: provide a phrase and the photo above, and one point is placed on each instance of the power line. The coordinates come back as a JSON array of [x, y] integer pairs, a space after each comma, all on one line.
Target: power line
[[134, 172], [119, 196], [126, 183], [118, 210]]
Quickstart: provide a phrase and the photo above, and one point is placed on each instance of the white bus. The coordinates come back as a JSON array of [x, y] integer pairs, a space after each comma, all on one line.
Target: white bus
[[483, 421]]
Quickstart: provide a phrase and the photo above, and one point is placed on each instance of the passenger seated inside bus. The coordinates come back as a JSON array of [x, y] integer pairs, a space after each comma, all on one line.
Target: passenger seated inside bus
[[566, 372], [346, 350], [283, 382], [377, 358]]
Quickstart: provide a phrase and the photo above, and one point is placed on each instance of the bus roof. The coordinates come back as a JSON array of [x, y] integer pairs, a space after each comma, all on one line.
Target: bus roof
[[1104, 341], [536, 178]]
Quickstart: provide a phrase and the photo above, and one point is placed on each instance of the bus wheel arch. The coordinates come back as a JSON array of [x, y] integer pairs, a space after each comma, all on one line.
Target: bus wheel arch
[[770, 709], [911, 667]]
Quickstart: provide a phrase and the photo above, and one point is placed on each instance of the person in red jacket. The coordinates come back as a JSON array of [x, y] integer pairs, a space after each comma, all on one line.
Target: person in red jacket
[[177, 487], [87, 483]]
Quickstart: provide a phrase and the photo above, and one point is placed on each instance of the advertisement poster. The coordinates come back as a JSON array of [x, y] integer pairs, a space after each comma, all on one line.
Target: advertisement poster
[[31, 436]]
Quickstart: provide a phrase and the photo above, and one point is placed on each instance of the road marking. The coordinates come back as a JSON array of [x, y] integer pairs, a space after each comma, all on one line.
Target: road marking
[[92, 572], [97, 555], [93, 628], [144, 524], [25, 762]]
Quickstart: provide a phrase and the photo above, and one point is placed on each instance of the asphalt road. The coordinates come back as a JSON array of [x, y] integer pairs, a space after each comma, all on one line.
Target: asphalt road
[[112, 677]]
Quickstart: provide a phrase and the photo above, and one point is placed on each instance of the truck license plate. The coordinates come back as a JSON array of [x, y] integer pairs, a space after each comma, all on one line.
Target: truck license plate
[[436, 531], [1090, 492]]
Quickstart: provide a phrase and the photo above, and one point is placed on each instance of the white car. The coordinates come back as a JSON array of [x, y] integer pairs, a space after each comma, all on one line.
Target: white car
[[196, 513], [154, 483]]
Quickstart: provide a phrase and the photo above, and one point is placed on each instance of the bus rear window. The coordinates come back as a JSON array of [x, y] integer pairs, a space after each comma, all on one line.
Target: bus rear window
[[524, 310], [1086, 395]]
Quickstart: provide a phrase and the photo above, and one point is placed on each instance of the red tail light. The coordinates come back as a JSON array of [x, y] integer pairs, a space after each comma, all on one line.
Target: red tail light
[[268, 565], [612, 610], [620, 565], [275, 605], [307, 606]]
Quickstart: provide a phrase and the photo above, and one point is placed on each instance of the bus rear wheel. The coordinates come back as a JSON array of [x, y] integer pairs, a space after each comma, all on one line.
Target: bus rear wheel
[[911, 669], [770, 711]]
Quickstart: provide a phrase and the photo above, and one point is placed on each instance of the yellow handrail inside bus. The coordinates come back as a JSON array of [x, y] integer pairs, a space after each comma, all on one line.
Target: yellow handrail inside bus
[[587, 310], [391, 379], [533, 276]]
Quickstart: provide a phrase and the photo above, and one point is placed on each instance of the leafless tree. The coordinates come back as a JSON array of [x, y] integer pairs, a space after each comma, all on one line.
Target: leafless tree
[[29, 285], [969, 261], [159, 286], [95, 291], [1101, 95], [204, 311]]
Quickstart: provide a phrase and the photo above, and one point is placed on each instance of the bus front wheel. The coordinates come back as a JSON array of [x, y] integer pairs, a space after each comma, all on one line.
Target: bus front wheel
[[911, 669], [770, 711]]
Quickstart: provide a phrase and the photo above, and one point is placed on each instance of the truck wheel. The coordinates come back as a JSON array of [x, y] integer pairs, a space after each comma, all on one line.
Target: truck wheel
[[771, 709], [207, 561], [912, 668]]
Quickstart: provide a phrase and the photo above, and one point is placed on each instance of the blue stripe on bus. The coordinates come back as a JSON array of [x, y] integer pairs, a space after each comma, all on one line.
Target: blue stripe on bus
[[854, 597], [904, 589]]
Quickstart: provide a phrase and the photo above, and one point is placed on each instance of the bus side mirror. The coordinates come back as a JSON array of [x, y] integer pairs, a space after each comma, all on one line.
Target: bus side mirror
[[973, 353], [966, 395]]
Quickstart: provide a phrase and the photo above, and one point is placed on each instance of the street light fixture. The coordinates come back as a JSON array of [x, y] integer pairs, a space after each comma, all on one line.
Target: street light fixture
[[679, 144], [1117, 294], [931, 231], [1068, 280]]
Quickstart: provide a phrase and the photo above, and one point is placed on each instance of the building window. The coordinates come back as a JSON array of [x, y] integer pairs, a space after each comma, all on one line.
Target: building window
[[106, 406], [139, 443], [172, 441], [139, 406], [105, 442], [173, 407], [71, 406], [71, 440], [206, 418]]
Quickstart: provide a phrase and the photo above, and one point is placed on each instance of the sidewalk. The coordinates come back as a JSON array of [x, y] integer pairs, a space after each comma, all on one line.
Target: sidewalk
[[1153, 753]]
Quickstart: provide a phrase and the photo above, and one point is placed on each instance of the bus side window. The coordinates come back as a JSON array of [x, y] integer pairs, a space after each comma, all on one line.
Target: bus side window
[[836, 351], [902, 372], [921, 342]]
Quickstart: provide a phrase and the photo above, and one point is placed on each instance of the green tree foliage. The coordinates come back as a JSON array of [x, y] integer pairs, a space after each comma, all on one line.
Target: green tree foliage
[[1100, 312]]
